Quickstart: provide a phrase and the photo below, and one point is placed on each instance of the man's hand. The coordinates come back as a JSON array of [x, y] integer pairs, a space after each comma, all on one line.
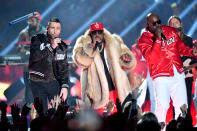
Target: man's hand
[[54, 103], [136, 93], [15, 110], [3, 107], [97, 39], [158, 32], [54, 42], [110, 106], [126, 58], [25, 110], [64, 93], [184, 110]]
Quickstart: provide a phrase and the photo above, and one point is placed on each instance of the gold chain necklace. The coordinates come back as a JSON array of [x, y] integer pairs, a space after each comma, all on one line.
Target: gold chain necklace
[[101, 48]]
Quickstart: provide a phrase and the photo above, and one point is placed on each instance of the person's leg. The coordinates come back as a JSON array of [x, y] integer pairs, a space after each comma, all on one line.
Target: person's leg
[[178, 92], [189, 84], [28, 93], [151, 92], [161, 85], [39, 91], [141, 98], [52, 89]]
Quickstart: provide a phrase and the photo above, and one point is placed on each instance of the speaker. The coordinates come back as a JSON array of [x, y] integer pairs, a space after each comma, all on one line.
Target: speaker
[[15, 93]]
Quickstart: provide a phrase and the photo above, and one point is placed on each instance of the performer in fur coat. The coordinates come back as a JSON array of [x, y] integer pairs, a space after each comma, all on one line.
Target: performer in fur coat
[[104, 58]]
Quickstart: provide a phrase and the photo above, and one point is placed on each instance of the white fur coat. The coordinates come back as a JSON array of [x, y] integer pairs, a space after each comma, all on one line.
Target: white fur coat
[[95, 91]]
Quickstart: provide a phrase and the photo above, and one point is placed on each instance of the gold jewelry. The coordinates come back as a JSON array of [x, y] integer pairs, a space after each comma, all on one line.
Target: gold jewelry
[[101, 48]]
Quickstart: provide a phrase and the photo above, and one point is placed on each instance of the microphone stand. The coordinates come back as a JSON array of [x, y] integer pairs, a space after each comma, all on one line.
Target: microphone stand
[[21, 18]]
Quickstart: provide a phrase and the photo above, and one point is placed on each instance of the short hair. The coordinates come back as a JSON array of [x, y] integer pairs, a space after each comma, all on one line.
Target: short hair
[[174, 16], [148, 15], [54, 20], [148, 121]]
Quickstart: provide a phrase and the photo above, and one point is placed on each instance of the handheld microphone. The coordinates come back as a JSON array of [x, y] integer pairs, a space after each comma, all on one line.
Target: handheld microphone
[[159, 29], [59, 38], [96, 45], [21, 18], [163, 36]]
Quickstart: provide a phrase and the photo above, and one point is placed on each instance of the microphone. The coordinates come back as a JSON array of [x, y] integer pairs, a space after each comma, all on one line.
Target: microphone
[[55, 44], [163, 36], [21, 18], [59, 38], [96, 45]]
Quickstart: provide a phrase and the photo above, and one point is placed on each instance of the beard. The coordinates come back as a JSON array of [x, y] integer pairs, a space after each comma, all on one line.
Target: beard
[[98, 39], [32, 28], [52, 36]]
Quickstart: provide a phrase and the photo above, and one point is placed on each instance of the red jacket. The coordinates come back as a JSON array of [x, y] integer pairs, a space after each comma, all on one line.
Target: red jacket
[[161, 55]]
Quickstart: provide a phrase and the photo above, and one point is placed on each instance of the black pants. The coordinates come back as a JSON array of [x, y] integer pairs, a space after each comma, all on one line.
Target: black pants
[[28, 93], [44, 91], [189, 82]]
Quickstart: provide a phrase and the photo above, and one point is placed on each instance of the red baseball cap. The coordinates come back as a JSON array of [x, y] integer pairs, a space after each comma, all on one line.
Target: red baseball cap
[[96, 26], [36, 15]]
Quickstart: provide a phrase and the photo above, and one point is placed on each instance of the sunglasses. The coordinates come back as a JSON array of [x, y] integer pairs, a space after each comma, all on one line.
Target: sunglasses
[[96, 31], [156, 22]]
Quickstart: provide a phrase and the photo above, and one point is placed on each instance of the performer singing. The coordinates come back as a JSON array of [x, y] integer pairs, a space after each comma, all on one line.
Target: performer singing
[[162, 47], [104, 58], [48, 66]]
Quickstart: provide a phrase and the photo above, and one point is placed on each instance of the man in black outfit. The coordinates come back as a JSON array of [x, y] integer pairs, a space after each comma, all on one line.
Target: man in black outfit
[[48, 66], [188, 62]]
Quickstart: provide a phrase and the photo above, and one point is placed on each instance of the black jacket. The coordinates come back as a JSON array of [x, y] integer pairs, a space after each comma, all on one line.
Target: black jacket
[[188, 42], [43, 58]]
